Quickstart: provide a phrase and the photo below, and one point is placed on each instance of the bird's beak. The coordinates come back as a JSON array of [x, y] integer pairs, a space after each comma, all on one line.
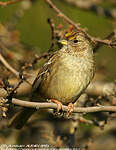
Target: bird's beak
[[63, 42]]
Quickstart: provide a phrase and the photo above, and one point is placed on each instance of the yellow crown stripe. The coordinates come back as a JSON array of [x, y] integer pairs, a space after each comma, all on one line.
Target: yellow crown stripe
[[70, 35]]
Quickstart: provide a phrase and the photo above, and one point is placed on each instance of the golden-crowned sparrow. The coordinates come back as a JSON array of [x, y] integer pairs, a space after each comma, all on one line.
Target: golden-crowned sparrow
[[64, 77]]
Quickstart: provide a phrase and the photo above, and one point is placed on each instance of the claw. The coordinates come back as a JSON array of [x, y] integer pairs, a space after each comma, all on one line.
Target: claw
[[70, 109], [59, 105]]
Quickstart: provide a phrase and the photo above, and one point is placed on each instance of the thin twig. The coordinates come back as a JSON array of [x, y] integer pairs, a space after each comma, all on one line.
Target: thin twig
[[51, 23], [37, 106], [30, 65], [13, 91], [84, 120], [109, 36], [11, 69], [9, 2], [105, 42], [5, 63], [77, 27], [62, 15]]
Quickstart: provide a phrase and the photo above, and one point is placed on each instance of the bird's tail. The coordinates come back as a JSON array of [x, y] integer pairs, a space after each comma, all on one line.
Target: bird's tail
[[20, 118]]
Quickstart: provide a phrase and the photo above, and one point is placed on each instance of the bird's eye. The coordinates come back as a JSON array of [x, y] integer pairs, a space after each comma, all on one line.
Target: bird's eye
[[75, 41]]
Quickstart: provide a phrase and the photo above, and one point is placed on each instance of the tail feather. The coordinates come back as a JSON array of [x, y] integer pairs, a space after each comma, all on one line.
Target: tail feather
[[20, 118]]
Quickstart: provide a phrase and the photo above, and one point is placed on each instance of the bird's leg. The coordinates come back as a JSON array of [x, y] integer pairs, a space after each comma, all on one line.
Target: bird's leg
[[59, 107], [70, 109]]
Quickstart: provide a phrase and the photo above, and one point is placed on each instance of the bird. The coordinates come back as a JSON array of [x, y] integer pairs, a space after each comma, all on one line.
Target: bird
[[64, 77]]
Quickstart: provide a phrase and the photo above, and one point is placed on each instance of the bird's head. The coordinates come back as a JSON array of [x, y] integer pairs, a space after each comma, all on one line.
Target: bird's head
[[76, 40]]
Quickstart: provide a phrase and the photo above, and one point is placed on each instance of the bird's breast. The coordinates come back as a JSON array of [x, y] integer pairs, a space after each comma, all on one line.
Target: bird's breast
[[68, 78]]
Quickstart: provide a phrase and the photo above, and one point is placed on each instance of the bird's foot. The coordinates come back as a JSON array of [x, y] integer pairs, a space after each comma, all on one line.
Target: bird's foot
[[70, 109], [59, 105]]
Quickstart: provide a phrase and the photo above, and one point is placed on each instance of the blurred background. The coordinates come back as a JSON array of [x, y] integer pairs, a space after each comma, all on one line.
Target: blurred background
[[31, 34], [35, 31]]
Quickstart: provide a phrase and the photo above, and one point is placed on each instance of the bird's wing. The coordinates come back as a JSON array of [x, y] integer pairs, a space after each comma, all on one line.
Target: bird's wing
[[44, 71]]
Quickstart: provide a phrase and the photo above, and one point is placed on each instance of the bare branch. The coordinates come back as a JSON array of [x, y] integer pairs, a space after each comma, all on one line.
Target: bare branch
[[9, 2], [109, 36], [77, 27], [5, 63], [51, 23], [37, 106], [11, 69], [62, 15], [30, 65]]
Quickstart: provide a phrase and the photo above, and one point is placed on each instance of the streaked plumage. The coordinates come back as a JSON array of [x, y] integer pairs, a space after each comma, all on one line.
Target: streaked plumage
[[67, 73], [64, 77]]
